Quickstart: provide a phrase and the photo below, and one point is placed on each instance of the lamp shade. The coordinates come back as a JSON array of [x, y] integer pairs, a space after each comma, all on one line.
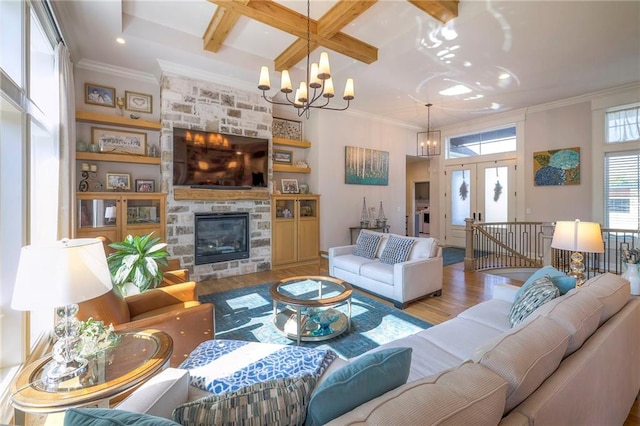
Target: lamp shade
[[578, 236], [60, 273]]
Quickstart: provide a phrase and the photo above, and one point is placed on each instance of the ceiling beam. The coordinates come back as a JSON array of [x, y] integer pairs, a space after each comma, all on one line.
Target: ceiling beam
[[329, 25], [219, 28], [277, 16], [442, 10]]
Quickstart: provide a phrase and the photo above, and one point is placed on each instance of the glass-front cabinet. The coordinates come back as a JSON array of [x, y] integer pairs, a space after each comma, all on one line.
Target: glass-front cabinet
[[116, 215]]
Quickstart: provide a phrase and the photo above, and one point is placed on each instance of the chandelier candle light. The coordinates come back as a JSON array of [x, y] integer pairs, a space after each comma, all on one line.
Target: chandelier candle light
[[429, 141], [319, 77]]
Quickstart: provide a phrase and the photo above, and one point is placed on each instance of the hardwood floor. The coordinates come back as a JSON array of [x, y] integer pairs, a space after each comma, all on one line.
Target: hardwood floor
[[460, 291]]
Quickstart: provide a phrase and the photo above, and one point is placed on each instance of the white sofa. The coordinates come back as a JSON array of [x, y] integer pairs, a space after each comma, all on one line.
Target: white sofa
[[401, 283], [572, 361]]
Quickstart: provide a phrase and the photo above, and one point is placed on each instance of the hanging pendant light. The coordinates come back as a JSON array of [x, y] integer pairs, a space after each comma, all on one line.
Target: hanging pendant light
[[429, 142], [320, 84]]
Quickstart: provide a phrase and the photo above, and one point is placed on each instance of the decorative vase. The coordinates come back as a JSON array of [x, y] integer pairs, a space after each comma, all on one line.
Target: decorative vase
[[633, 276]]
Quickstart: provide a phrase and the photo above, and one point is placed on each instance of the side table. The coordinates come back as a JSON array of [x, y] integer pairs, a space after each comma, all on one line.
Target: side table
[[139, 355], [353, 234]]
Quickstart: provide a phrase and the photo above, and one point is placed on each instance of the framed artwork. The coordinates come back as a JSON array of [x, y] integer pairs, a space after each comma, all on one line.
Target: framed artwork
[[118, 181], [364, 166], [132, 214], [556, 167], [281, 156], [145, 185], [139, 102], [286, 129], [95, 94], [289, 186], [119, 141]]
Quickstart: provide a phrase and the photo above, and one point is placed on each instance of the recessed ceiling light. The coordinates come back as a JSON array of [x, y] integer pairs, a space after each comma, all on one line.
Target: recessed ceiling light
[[466, 63], [120, 40], [459, 89], [504, 76]]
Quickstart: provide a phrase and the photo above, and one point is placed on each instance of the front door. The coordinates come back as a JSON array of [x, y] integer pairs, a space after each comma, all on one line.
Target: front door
[[484, 192]]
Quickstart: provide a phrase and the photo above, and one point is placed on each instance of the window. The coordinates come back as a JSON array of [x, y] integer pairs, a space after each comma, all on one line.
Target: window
[[622, 190], [623, 124], [483, 143]]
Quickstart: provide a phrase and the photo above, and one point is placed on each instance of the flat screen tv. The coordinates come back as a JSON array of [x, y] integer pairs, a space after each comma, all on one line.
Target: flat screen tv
[[208, 159]]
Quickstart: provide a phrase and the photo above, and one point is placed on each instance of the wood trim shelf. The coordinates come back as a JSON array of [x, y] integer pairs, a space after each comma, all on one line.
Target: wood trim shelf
[[114, 120], [290, 169], [119, 158], [220, 194], [291, 142]]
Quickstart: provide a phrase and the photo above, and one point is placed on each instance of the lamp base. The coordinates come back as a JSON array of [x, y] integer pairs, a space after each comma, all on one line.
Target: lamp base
[[55, 372], [577, 268]]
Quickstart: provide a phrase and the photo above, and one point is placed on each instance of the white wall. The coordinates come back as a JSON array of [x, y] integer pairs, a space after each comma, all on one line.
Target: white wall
[[341, 204]]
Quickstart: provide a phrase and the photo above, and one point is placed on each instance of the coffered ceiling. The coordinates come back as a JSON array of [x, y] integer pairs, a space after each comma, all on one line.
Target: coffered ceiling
[[494, 56]]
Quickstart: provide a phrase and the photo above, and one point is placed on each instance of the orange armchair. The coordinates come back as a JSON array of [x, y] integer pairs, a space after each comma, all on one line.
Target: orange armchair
[[174, 309]]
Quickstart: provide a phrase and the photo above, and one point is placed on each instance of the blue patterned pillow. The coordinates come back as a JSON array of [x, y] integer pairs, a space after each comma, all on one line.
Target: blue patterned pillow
[[397, 250], [535, 295], [367, 245]]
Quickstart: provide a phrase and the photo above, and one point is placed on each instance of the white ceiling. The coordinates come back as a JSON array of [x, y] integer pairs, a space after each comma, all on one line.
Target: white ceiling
[[551, 50]]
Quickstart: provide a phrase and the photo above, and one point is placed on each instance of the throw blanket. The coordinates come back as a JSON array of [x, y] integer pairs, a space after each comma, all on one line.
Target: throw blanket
[[220, 366]]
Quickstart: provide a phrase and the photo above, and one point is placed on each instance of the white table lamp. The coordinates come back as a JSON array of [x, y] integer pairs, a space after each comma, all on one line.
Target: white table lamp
[[577, 236], [59, 275]]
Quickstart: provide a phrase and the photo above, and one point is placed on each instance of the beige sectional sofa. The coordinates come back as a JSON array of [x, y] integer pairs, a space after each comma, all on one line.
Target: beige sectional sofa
[[573, 361], [403, 282]]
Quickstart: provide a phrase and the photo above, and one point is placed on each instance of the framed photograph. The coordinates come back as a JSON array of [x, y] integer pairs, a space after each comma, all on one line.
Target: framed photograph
[[132, 214], [139, 102], [145, 185], [119, 141], [286, 129], [99, 95], [289, 186], [281, 156], [118, 181]]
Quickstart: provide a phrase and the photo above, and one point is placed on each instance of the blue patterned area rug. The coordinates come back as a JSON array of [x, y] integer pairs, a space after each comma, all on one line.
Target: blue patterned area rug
[[247, 314]]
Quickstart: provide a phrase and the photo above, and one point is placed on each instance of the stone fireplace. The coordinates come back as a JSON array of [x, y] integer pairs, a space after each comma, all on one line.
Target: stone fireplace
[[221, 237], [202, 105]]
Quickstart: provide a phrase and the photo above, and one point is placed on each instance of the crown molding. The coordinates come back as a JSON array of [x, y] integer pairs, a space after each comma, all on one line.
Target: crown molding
[[96, 66], [190, 72]]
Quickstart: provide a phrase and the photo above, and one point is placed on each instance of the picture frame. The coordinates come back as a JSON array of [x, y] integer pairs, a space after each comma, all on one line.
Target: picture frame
[[119, 141], [145, 185], [118, 181], [282, 156], [286, 129], [138, 102], [556, 167], [365, 166], [132, 214], [290, 186], [95, 94]]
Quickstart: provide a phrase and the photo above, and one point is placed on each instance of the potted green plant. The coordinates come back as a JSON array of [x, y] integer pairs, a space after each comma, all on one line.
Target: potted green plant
[[134, 264]]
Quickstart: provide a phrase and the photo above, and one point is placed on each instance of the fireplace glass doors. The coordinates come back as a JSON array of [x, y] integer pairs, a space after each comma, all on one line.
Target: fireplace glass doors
[[221, 237]]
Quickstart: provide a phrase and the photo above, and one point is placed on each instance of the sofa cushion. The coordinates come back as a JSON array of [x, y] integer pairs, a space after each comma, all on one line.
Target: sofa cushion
[[350, 263], [361, 380], [525, 356], [559, 279], [535, 295], [469, 394], [397, 250], [493, 313], [159, 395], [110, 417], [578, 312], [423, 248], [279, 401], [611, 290], [378, 271], [367, 245]]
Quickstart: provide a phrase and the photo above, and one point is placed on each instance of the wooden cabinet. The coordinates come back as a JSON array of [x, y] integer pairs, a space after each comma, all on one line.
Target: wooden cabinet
[[290, 168], [296, 229], [118, 214]]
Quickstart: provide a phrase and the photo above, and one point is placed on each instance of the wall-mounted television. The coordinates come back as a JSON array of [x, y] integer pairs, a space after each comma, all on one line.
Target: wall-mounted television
[[209, 159]]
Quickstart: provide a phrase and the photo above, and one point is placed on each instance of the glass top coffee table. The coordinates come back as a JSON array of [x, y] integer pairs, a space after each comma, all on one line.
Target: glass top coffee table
[[309, 307]]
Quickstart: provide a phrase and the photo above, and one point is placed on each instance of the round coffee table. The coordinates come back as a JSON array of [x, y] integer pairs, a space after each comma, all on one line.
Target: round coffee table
[[139, 355], [309, 304]]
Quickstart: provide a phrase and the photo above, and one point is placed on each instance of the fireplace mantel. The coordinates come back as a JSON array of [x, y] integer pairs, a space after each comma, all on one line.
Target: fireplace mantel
[[220, 194]]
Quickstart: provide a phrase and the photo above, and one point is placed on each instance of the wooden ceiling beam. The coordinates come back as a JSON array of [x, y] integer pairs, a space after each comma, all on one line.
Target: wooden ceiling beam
[[442, 10], [277, 16], [219, 28]]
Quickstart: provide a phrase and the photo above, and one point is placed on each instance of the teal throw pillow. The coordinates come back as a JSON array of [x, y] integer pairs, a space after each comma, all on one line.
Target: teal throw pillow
[[361, 380], [537, 294], [559, 279], [273, 402], [109, 417]]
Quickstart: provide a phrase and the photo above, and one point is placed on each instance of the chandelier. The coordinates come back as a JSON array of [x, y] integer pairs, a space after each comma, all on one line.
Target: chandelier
[[429, 141], [319, 77]]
